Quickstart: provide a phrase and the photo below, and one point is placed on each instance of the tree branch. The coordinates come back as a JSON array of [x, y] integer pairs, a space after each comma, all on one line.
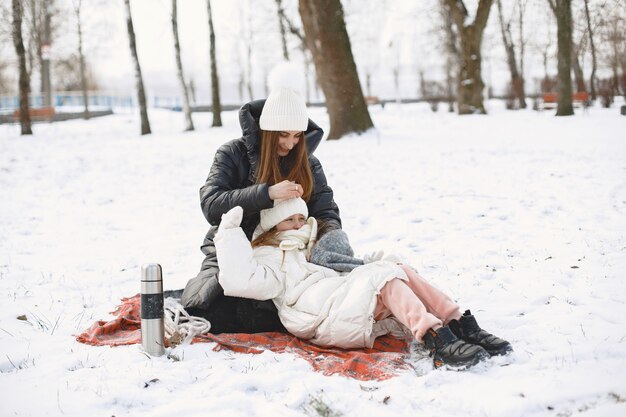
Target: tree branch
[[292, 28], [483, 13], [457, 11]]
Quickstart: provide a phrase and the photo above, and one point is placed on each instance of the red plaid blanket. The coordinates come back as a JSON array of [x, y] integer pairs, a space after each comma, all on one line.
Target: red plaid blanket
[[384, 360]]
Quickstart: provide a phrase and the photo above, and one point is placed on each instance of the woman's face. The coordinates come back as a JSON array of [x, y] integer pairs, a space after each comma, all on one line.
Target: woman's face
[[294, 222], [287, 140]]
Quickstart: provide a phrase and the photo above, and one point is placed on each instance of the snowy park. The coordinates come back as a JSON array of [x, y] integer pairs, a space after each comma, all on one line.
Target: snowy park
[[519, 216]]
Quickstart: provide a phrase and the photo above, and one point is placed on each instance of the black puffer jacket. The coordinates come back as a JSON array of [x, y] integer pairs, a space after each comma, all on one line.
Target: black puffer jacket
[[232, 182]]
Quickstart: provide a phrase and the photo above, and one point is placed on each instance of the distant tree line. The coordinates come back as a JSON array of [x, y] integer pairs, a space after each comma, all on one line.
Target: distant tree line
[[337, 44]]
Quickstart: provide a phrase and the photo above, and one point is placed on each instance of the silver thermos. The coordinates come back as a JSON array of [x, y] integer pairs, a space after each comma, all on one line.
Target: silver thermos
[[152, 332]]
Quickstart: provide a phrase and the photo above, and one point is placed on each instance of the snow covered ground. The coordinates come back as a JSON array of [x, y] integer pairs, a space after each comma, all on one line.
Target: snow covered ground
[[519, 216]]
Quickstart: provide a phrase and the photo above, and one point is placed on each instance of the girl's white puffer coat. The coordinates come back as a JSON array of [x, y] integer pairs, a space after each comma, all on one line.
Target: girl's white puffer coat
[[313, 302]]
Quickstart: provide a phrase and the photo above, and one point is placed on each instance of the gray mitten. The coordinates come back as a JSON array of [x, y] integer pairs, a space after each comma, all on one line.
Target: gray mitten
[[333, 251]]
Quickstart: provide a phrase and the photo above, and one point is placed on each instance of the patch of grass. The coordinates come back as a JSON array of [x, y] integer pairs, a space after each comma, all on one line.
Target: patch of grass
[[318, 407]]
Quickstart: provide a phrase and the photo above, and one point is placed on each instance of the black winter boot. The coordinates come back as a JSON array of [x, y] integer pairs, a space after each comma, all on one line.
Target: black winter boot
[[447, 349], [467, 328]]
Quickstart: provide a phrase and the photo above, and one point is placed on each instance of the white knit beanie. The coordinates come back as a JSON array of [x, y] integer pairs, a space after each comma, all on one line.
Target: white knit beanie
[[285, 108], [281, 210]]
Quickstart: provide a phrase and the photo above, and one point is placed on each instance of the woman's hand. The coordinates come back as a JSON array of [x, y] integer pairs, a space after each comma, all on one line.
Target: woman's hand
[[284, 190]]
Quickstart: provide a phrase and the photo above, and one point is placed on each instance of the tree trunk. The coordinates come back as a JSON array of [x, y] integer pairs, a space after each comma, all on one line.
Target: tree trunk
[[81, 60], [517, 84], [452, 55], [24, 81], [522, 46], [594, 65], [579, 77], [303, 49], [216, 106], [141, 95], [470, 84], [328, 41], [563, 12], [179, 69], [283, 32], [41, 32]]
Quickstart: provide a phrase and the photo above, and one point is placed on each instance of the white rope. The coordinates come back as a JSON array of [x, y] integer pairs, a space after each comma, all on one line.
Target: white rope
[[180, 327]]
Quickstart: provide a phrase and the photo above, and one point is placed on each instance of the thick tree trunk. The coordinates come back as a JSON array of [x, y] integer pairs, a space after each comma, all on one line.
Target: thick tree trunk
[[594, 64], [328, 41], [215, 81], [141, 95], [563, 12], [24, 81], [470, 84], [81, 61], [517, 83], [179, 69]]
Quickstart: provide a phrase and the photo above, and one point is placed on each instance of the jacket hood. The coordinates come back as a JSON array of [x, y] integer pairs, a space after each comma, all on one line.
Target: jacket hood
[[249, 116]]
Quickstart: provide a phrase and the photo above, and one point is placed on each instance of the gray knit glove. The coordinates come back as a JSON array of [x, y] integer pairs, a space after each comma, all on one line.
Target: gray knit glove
[[333, 251]]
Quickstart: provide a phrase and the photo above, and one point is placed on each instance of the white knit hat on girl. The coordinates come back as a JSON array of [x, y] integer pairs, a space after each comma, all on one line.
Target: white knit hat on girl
[[284, 109], [281, 210]]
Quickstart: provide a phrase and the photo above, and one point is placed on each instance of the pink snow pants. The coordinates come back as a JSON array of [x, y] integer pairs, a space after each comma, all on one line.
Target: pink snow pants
[[416, 304]]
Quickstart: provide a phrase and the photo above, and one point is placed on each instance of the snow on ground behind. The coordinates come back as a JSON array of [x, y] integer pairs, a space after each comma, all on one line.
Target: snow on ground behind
[[519, 216]]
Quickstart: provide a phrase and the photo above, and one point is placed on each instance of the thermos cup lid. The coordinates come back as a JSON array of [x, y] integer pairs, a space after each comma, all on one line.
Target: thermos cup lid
[[151, 272]]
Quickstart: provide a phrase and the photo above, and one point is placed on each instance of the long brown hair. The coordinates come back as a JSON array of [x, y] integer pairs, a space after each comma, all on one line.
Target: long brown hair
[[297, 163], [267, 238]]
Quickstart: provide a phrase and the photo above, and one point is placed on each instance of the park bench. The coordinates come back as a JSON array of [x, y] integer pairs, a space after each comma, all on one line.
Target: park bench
[[37, 114], [371, 100], [579, 99]]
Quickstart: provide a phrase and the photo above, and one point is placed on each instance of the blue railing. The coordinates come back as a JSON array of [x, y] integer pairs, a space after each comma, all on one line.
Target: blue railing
[[97, 99]]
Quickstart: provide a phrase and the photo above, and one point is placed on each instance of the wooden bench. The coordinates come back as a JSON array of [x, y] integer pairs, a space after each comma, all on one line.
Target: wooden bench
[[371, 100], [37, 114], [579, 99]]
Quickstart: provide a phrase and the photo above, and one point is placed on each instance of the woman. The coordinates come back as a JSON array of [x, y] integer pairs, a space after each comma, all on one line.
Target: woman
[[272, 160]]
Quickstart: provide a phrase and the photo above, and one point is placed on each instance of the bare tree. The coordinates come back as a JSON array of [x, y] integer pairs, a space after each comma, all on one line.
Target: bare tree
[[594, 62], [179, 69], [143, 108], [306, 54], [24, 82], [248, 49], [521, 9], [450, 43], [470, 83], [77, 5], [517, 83], [216, 106], [41, 36], [283, 31], [562, 9], [328, 41], [614, 40], [579, 76], [543, 46], [67, 71]]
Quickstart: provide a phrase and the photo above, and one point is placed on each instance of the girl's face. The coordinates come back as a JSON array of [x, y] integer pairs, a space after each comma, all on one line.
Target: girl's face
[[294, 222], [287, 140]]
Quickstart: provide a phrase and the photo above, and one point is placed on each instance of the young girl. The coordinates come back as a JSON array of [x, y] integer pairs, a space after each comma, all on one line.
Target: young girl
[[347, 311]]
